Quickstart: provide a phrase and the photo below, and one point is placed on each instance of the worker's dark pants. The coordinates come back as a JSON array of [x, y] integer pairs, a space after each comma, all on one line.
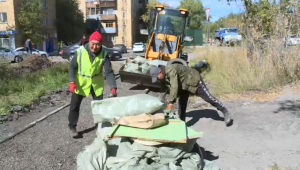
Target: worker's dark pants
[[202, 92], [75, 107]]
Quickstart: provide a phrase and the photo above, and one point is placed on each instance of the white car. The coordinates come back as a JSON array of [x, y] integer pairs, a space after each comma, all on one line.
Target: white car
[[9, 55], [138, 47], [34, 51]]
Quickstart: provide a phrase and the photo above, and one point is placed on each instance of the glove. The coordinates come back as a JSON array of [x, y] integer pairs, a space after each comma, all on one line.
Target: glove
[[72, 87], [113, 93], [168, 110], [170, 106]]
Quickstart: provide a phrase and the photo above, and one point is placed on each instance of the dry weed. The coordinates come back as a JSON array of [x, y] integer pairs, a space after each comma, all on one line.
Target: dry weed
[[231, 72]]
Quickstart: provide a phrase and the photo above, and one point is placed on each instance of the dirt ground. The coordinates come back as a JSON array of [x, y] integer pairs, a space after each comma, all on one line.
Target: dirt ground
[[263, 134]]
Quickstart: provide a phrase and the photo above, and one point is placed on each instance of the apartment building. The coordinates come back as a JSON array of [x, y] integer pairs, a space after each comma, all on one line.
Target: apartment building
[[82, 7], [117, 20], [10, 35]]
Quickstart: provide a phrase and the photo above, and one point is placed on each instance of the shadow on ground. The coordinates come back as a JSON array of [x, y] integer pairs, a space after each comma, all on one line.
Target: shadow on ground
[[138, 87], [196, 115], [292, 106], [204, 154], [80, 133]]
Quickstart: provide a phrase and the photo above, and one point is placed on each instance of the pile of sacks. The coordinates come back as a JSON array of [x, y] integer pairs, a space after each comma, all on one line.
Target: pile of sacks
[[118, 146], [141, 65]]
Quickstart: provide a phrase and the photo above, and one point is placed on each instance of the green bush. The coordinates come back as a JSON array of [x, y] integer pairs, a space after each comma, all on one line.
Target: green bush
[[24, 89]]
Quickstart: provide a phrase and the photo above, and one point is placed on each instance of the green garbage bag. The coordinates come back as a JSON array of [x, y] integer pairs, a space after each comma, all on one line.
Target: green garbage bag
[[109, 110], [158, 62], [145, 68], [132, 67], [139, 60]]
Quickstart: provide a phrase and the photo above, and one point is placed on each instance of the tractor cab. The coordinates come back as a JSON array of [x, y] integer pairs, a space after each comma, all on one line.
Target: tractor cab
[[167, 33]]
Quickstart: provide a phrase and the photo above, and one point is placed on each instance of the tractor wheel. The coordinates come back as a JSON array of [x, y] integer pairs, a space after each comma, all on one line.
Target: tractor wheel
[[177, 61]]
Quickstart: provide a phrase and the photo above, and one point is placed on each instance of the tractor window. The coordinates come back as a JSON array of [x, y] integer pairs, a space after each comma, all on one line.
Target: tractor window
[[170, 22]]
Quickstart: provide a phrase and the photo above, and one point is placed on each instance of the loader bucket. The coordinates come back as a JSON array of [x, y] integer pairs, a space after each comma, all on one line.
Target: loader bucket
[[139, 79]]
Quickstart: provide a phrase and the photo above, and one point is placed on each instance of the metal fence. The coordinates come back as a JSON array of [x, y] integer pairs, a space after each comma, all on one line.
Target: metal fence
[[197, 35]]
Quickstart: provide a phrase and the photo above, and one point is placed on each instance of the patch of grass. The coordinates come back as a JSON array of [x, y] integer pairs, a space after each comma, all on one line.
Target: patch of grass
[[231, 72], [24, 89], [276, 167]]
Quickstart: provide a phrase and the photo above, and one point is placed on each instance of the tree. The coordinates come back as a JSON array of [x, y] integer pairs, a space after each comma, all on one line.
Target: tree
[[69, 21], [30, 19], [151, 6], [259, 23], [196, 12], [232, 20]]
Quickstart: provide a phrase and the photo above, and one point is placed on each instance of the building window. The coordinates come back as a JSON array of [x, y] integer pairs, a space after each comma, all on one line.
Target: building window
[[3, 17], [109, 25], [98, 11], [108, 11], [45, 4], [46, 21], [94, 11]]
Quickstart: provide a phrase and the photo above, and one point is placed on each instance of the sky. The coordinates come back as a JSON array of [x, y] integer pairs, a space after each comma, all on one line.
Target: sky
[[218, 8]]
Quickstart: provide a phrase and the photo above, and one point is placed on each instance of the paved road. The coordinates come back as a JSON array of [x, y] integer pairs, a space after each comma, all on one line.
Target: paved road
[[125, 56], [262, 134]]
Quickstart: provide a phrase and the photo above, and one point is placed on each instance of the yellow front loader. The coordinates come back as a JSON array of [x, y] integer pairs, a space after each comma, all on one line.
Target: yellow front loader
[[166, 32]]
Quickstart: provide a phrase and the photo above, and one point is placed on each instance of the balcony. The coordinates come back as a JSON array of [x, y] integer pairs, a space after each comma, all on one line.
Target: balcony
[[96, 16], [109, 30], [107, 3], [110, 17]]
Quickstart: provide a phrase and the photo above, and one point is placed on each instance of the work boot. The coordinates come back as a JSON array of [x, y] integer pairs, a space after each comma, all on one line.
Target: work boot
[[73, 131], [227, 118]]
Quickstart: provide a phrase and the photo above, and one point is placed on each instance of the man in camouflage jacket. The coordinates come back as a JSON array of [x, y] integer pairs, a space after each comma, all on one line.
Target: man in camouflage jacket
[[183, 81]]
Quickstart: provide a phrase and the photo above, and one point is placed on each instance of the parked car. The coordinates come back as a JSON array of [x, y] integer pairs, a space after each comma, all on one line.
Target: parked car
[[228, 36], [138, 47], [120, 47], [34, 51], [9, 55], [69, 52], [113, 54]]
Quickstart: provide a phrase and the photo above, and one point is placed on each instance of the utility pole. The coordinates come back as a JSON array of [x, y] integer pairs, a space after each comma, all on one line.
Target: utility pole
[[207, 10], [208, 31]]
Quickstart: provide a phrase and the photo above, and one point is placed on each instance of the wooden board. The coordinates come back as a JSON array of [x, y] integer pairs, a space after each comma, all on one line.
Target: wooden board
[[174, 132], [192, 134]]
